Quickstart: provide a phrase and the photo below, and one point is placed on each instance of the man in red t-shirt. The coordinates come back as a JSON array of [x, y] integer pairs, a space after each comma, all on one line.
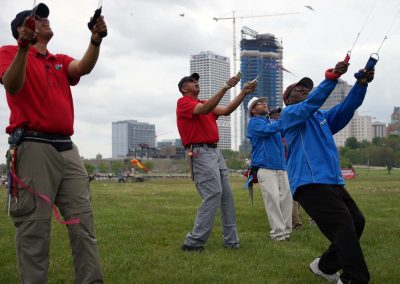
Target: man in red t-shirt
[[197, 126], [46, 168]]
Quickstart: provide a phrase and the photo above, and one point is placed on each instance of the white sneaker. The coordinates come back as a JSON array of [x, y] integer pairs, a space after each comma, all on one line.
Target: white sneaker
[[330, 277]]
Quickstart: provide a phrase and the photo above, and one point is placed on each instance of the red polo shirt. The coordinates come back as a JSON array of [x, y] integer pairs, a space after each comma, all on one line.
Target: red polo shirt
[[195, 128], [44, 103]]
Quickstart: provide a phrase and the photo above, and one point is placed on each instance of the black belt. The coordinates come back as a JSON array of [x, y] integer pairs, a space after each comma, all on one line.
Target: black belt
[[45, 136], [60, 142], [201, 145]]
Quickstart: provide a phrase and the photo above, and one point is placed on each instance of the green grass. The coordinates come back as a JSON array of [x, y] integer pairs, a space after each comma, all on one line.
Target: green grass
[[141, 226]]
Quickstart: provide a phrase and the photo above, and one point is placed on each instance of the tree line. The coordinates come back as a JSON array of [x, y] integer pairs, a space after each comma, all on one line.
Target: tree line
[[381, 152]]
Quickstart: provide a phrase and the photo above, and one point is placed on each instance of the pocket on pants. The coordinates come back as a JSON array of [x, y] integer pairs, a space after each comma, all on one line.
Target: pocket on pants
[[25, 203]]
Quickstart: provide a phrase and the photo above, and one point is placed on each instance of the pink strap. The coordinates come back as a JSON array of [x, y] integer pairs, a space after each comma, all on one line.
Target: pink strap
[[46, 199]]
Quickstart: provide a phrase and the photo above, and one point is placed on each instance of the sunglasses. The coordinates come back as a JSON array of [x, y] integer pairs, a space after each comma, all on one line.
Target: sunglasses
[[297, 88]]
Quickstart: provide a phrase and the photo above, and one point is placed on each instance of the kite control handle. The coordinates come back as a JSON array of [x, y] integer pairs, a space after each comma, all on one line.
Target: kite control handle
[[369, 66], [93, 20], [30, 23], [330, 75]]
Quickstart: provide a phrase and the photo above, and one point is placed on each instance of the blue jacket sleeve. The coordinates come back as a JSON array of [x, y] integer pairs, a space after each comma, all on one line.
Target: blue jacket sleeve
[[341, 114], [297, 114], [259, 127]]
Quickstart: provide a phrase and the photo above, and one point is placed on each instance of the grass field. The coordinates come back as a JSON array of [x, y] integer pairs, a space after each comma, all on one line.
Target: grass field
[[141, 226]]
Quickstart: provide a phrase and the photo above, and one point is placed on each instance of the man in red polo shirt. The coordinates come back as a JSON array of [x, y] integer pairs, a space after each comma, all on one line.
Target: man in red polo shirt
[[196, 120], [47, 169]]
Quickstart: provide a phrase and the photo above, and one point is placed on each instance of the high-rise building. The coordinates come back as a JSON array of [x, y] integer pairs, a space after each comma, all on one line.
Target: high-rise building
[[130, 134], [379, 129], [394, 125], [214, 71], [362, 127], [261, 56], [340, 92]]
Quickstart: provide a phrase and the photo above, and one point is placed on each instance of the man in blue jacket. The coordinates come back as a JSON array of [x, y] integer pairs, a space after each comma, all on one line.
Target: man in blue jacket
[[315, 176], [268, 155]]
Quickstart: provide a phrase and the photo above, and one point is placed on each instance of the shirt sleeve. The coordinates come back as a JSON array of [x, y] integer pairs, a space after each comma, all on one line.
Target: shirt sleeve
[[341, 114], [185, 107], [66, 60], [260, 128], [6, 57]]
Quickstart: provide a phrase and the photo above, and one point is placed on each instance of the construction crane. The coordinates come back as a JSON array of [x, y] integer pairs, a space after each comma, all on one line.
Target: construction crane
[[233, 18]]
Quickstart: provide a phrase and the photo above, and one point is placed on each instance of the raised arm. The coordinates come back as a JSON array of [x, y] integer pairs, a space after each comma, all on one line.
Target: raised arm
[[14, 78], [86, 64], [341, 114], [213, 102], [248, 88]]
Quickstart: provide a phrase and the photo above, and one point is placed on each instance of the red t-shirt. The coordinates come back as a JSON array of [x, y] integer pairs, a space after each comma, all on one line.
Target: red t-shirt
[[195, 128], [45, 102]]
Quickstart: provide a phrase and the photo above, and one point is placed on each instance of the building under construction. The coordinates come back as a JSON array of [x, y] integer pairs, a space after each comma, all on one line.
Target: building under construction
[[260, 55]]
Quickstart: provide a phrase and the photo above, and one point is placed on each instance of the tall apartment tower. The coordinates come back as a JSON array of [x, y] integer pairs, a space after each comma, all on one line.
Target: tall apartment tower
[[379, 129], [214, 71], [129, 134], [261, 55]]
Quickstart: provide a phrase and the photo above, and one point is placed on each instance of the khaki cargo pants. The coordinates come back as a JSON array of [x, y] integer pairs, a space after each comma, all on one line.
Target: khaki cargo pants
[[62, 177]]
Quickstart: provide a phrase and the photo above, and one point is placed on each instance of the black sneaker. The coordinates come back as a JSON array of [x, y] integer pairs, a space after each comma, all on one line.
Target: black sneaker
[[194, 249], [232, 246]]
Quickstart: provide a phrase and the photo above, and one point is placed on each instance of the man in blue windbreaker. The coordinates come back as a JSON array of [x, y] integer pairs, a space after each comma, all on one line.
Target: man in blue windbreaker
[[315, 176], [268, 155]]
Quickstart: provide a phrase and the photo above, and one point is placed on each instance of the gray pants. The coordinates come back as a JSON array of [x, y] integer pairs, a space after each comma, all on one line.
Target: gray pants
[[62, 177], [212, 183]]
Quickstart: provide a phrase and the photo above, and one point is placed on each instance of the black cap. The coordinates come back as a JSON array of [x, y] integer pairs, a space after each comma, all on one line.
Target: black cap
[[306, 82], [41, 10], [195, 76]]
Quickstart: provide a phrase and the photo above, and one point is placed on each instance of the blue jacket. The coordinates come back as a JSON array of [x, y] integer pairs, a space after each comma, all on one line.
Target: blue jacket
[[312, 153], [266, 141]]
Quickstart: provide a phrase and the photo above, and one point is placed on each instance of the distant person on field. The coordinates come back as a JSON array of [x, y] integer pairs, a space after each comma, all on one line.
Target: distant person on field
[[197, 126], [268, 155], [315, 176]]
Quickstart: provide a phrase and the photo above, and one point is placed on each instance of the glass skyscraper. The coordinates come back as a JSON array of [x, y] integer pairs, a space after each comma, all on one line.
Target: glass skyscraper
[[261, 55]]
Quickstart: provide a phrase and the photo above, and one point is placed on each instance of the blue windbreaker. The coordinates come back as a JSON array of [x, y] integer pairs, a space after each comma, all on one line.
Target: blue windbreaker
[[312, 153], [266, 143]]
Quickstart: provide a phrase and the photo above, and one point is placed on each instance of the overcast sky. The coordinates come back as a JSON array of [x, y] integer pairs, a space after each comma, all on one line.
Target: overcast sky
[[149, 45]]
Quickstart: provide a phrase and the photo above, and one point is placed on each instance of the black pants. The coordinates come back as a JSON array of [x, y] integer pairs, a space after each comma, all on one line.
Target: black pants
[[340, 220]]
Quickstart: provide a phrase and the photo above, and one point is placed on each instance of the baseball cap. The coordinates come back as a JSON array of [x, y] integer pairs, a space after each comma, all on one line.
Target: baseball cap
[[41, 10], [306, 82], [185, 79], [252, 103]]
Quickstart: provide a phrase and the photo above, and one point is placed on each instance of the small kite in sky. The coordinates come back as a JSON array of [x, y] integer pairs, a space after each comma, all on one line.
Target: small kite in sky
[[182, 15], [309, 7]]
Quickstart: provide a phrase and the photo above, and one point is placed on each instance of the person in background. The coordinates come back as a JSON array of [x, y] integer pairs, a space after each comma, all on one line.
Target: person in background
[[46, 166], [196, 121], [296, 220], [315, 176], [268, 155]]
